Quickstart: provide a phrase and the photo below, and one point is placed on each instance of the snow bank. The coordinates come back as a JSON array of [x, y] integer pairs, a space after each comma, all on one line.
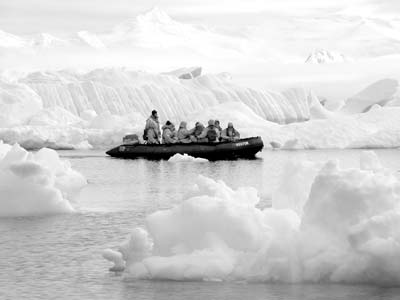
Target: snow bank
[[185, 158], [36, 183], [346, 230]]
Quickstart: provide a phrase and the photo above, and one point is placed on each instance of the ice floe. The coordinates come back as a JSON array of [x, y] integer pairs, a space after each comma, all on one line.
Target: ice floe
[[342, 227], [36, 183]]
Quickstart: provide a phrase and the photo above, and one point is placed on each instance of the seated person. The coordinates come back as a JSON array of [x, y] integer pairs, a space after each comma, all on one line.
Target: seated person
[[210, 133], [183, 134], [230, 133], [218, 125], [196, 132], [169, 133]]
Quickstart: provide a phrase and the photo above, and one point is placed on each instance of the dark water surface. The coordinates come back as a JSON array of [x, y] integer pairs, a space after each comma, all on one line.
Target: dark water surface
[[59, 257]]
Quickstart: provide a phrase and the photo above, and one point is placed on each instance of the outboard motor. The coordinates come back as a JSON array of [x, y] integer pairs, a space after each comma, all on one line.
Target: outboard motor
[[130, 139]]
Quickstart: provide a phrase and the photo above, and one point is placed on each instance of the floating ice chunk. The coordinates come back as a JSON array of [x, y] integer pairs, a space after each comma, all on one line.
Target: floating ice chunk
[[348, 231], [275, 145], [202, 238], [290, 144], [116, 258], [36, 184], [186, 158]]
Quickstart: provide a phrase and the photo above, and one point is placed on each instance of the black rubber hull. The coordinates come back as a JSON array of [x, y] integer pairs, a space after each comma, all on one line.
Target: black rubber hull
[[244, 148]]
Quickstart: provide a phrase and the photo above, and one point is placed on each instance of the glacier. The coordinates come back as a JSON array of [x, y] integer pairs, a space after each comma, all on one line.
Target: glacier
[[67, 108]]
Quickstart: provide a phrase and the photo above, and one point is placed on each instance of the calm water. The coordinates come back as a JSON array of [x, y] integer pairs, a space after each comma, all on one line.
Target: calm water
[[59, 257]]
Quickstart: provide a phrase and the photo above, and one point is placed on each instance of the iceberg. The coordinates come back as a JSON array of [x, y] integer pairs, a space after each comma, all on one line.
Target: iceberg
[[18, 103], [185, 158], [69, 110], [121, 92], [218, 233], [34, 184], [383, 92]]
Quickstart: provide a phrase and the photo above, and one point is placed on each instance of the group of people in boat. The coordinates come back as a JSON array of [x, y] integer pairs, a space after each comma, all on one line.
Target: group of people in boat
[[213, 133]]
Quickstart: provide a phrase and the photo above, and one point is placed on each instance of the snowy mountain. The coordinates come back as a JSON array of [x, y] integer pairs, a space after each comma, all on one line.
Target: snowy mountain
[[157, 30], [8, 40], [90, 39], [155, 41], [46, 40], [322, 56]]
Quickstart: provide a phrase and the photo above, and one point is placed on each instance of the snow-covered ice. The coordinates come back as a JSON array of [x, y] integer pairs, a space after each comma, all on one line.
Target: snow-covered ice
[[69, 110], [342, 227], [185, 158], [36, 183], [383, 92]]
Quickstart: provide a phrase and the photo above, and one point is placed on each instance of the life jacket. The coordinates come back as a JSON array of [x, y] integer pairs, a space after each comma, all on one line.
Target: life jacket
[[212, 134], [198, 130], [231, 133], [182, 133]]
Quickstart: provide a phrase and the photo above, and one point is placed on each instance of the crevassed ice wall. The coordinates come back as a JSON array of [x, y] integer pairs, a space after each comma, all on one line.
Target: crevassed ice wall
[[122, 92]]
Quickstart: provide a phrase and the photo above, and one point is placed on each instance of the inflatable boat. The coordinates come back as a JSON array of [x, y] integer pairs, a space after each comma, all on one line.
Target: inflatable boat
[[243, 148]]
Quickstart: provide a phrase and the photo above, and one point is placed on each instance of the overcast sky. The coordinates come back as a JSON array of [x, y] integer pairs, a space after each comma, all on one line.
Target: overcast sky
[[67, 16]]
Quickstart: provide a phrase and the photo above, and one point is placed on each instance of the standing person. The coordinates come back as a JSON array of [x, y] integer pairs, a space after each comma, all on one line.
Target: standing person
[[210, 133], [230, 133], [169, 133], [152, 132], [183, 134]]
